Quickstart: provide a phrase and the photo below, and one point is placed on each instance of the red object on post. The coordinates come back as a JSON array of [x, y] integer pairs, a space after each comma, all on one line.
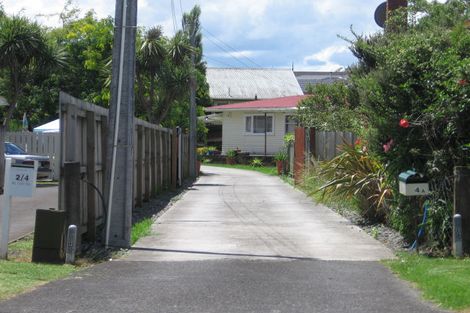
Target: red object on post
[[299, 154], [395, 4]]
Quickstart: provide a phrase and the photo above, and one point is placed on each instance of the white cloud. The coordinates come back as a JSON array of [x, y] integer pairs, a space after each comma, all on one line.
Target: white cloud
[[324, 57]]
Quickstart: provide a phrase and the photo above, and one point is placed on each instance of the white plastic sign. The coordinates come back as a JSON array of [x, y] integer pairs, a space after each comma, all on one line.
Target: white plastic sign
[[22, 180]]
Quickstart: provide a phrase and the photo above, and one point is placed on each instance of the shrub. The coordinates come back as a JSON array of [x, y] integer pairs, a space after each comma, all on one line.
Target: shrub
[[256, 162], [355, 173], [281, 155], [231, 153]]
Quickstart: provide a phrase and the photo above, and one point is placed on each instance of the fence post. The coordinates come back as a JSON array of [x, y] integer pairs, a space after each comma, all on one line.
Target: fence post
[[153, 167], [91, 174], [2, 157], [299, 154], [159, 160], [147, 168], [139, 189], [313, 142], [71, 181], [174, 159], [462, 202]]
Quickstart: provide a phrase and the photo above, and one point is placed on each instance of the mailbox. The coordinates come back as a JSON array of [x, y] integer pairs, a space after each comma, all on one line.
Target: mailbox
[[413, 184]]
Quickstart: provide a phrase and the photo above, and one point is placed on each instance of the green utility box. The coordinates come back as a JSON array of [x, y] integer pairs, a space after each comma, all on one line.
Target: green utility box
[[49, 237]]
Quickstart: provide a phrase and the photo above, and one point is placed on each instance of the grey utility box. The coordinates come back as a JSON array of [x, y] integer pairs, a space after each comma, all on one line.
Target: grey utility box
[[413, 184]]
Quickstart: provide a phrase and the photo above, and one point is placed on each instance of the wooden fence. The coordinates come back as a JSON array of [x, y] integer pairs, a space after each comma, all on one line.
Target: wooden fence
[[38, 143], [83, 140], [319, 145]]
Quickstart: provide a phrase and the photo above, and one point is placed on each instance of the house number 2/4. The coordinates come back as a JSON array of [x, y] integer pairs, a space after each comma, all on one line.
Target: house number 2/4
[[22, 177]]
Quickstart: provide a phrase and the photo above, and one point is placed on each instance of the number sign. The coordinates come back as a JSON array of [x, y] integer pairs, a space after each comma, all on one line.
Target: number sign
[[22, 180]]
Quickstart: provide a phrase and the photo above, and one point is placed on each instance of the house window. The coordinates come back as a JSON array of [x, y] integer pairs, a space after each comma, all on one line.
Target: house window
[[255, 124], [291, 123]]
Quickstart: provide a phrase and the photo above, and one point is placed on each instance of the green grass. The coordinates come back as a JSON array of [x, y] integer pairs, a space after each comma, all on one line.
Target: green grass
[[445, 281], [268, 170], [18, 274], [141, 229]]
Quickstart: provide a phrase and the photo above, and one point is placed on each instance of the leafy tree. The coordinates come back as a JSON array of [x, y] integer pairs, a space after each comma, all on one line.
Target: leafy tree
[[24, 50], [409, 95], [163, 71], [88, 42]]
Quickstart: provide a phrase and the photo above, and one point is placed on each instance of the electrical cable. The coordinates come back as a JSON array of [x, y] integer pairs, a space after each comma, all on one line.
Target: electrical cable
[[100, 194], [229, 47], [421, 227], [230, 53]]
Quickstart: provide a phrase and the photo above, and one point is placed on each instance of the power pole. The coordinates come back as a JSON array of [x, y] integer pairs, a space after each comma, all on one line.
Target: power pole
[[192, 107], [120, 140]]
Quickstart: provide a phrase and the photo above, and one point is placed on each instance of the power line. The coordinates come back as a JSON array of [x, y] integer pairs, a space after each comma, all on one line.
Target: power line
[[173, 14], [229, 47], [217, 61], [230, 53]]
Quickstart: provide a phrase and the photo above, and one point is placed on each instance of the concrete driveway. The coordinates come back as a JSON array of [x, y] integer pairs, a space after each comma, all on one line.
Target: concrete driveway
[[242, 214], [23, 210], [237, 242]]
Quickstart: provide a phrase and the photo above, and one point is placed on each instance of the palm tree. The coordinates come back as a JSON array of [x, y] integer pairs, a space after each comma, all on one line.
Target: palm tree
[[23, 49], [162, 72]]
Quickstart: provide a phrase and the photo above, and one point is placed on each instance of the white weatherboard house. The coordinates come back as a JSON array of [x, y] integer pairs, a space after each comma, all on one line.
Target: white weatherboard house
[[233, 85], [256, 126]]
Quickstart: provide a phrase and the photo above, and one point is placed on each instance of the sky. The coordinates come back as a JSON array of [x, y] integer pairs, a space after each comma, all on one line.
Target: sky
[[245, 33]]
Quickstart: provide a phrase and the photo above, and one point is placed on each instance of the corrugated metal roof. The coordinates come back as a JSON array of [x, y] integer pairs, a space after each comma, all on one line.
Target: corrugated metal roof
[[246, 83], [312, 78], [277, 103]]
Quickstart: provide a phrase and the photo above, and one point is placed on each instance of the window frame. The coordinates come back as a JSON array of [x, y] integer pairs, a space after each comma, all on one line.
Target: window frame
[[252, 119], [286, 123]]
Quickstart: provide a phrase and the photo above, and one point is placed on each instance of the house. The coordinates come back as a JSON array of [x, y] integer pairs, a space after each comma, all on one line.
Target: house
[[234, 85], [309, 78], [257, 127]]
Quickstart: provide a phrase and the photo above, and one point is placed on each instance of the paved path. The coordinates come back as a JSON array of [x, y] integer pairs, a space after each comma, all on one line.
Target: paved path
[[23, 210], [242, 214], [237, 242]]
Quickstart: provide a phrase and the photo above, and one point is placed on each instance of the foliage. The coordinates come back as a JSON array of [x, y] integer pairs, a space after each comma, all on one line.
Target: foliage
[[289, 139], [356, 173], [231, 153], [256, 162], [267, 170], [329, 107], [444, 281], [204, 151], [419, 75], [24, 53], [281, 155], [408, 98], [141, 229], [18, 274]]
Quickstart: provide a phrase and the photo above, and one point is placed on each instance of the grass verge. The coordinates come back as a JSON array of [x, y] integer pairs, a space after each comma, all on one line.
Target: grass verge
[[18, 274], [141, 229], [444, 281], [268, 170]]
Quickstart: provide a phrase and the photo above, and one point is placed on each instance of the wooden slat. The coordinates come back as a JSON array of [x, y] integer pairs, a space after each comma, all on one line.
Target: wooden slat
[[146, 165], [91, 174]]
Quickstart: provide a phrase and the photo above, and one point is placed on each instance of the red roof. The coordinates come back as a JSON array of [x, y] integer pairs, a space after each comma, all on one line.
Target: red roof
[[276, 103]]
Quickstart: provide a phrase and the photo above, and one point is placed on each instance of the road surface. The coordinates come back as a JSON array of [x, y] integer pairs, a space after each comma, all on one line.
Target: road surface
[[238, 241], [23, 210]]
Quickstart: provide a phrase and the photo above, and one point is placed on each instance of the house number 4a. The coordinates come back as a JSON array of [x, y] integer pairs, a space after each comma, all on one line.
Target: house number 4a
[[22, 177]]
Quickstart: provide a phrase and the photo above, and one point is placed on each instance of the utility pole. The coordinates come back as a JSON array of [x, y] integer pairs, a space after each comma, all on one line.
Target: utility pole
[[120, 140], [192, 99]]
